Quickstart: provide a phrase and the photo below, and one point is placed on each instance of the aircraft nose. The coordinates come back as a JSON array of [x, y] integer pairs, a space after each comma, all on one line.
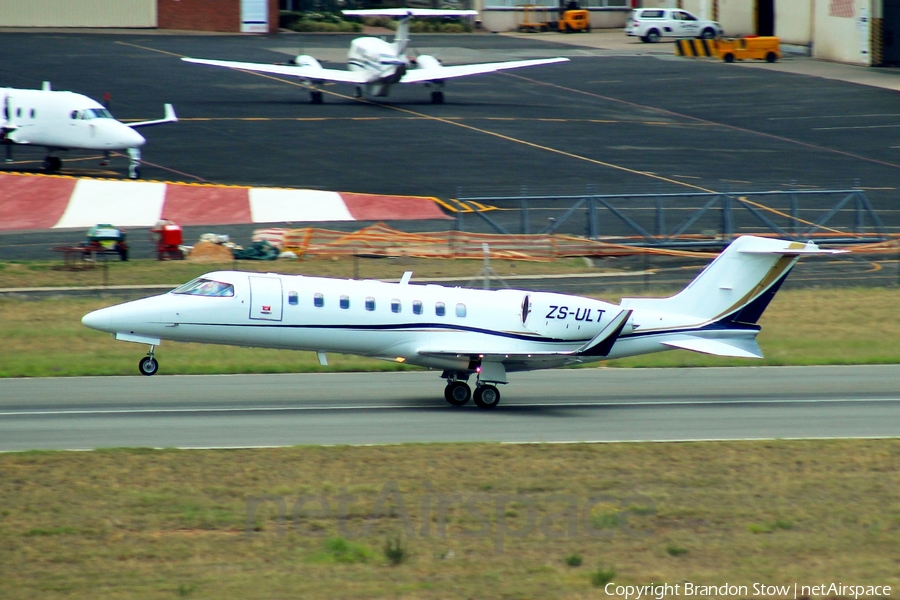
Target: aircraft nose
[[98, 319], [132, 139]]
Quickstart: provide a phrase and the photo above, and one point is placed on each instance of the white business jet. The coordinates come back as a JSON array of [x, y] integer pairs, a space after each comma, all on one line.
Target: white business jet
[[68, 121], [463, 332], [374, 65]]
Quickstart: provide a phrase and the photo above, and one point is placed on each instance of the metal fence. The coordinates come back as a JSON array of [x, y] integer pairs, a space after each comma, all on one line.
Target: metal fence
[[678, 220]]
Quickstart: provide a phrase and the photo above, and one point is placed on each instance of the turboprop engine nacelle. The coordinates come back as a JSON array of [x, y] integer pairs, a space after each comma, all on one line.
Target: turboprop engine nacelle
[[425, 61], [305, 60]]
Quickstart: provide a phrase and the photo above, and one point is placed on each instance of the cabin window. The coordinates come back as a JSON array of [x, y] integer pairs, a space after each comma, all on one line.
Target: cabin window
[[370, 303], [32, 113], [345, 301], [206, 287], [460, 310], [417, 307], [19, 112], [293, 298], [318, 300], [395, 305], [439, 309]]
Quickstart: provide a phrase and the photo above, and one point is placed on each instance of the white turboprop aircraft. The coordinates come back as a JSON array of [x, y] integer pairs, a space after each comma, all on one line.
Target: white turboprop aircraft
[[374, 65], [464, 332], [66, 121]]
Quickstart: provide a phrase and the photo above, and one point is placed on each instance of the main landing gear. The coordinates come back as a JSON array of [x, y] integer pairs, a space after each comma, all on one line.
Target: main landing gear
[[52, 164], [148, 365], [458, 392], [315, 97]]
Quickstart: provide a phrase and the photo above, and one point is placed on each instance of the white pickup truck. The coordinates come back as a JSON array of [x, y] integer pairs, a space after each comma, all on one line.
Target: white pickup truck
[[650, 24]]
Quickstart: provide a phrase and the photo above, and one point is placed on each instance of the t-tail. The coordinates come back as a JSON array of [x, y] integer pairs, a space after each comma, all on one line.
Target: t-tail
[[717, 313]]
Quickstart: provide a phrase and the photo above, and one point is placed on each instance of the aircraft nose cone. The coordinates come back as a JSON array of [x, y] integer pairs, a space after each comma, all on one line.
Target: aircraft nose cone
[[132, 139], [99, 320]]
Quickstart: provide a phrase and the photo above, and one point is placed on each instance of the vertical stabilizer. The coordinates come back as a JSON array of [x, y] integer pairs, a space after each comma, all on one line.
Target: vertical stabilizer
[[401, 38], [738, 285]]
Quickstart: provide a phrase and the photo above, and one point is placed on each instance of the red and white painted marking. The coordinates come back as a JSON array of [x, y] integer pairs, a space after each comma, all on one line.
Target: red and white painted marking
[[47, 202]]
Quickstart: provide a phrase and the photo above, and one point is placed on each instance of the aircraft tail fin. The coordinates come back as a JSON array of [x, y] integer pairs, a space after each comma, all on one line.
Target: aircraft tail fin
[[401, 37], [738, 285]]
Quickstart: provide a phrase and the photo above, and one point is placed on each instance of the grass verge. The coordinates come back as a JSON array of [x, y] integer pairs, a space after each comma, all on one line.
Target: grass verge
[[801, 327], [476, 520]]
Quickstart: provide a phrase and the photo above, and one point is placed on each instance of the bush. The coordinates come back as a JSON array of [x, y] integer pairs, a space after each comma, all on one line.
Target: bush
[[602, 576], [316, 22], [394, 551], [573, 560]]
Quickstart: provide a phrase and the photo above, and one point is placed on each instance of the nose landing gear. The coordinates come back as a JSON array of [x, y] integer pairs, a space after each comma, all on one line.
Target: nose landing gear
[[148, 365]]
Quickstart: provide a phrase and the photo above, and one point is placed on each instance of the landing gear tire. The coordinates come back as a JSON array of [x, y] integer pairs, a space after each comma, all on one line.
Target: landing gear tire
[[315, 97], [437, 97], [52, 164], [486, 396], [148, 366], [457, 393], [358, 93]]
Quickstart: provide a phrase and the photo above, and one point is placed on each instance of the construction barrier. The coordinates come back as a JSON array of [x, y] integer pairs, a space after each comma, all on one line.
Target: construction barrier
[[696, 47], [379, 240]]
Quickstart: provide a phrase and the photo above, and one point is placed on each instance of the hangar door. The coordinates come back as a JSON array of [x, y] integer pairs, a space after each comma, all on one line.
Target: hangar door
[[765, 17], [78, 13], [890, 33]]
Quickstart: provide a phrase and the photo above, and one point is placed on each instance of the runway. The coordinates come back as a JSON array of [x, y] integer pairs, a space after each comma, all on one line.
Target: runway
[[594, 405]]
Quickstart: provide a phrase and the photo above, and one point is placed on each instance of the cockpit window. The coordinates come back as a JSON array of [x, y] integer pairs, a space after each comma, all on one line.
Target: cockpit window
[[96, 113], [206, 287]]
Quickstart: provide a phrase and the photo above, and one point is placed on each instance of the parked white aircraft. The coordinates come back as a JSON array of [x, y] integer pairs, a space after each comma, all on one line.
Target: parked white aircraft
[[67, 121], [464, 332], [374, 65]]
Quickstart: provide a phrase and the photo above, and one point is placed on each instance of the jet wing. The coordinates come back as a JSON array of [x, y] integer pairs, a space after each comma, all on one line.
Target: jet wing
[[308, 73], [600, 345], [441, 73]]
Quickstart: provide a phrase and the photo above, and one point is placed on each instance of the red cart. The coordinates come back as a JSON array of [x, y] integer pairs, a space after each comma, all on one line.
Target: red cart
[[168, 237]]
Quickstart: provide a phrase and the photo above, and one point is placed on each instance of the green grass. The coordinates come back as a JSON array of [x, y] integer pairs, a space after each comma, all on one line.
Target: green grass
[[167, 523], [802, 327], [15, 274]]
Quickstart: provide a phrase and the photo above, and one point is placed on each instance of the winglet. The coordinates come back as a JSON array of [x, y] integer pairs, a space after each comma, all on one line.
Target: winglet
[[602, 343]]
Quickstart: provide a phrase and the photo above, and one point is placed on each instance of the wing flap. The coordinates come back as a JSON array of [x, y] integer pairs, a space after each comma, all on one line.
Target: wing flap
[[736, 347], [308, 73], [441, 73]]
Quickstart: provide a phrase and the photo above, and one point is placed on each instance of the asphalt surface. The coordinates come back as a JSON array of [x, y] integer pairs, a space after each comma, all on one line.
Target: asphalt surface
[[608, 121], [388, 408]]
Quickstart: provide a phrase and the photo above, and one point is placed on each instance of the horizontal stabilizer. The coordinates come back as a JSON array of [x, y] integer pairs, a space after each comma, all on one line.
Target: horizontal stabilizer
[[409, 12], [740, 348], [170, 117]]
